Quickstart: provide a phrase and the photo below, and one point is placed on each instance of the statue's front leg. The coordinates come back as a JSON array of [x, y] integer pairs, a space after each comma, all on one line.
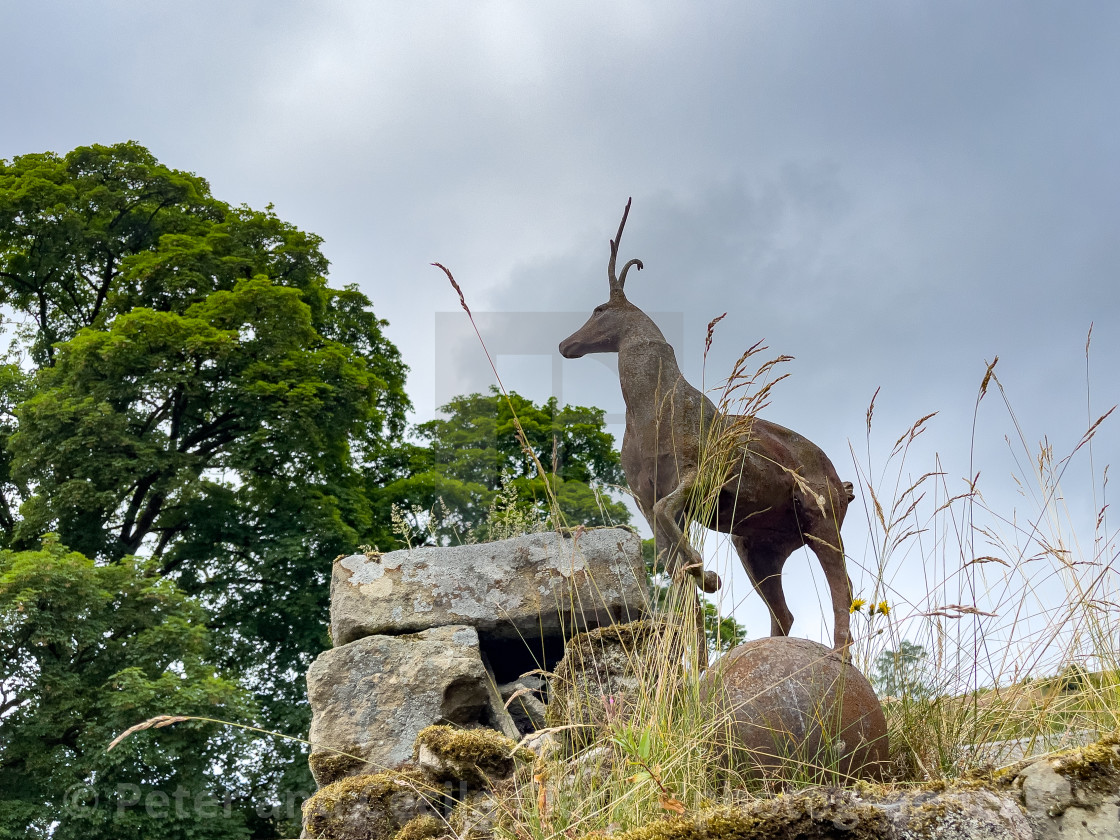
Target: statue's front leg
[[681, 557]]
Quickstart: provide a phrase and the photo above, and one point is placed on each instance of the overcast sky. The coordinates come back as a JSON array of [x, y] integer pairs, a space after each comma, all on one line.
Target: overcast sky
[[891, 192]]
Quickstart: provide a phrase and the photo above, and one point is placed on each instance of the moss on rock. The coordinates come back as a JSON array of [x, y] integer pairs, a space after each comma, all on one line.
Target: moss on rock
[[603, 671], [474, 756], [329, 767], [842, 814], [1095, 767], [423, 827], [367, 807], [818, 815]]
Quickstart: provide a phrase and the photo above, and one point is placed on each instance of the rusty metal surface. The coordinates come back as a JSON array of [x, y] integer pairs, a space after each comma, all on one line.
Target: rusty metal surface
[[794, 706]]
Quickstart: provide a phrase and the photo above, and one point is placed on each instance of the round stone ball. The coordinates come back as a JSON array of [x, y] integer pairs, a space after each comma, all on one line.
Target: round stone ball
[[793, 709]]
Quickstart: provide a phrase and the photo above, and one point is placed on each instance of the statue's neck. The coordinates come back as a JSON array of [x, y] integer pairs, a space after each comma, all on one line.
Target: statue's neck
[[647, 368]]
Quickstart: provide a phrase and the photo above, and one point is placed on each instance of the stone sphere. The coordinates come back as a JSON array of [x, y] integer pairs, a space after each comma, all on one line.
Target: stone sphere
[[794, 709]]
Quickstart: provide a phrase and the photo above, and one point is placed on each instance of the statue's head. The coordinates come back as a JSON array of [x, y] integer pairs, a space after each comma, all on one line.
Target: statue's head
[[610, 321]]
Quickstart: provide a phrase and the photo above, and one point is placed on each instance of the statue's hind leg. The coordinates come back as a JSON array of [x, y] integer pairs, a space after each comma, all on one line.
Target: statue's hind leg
[[831, 557], [764, 567]]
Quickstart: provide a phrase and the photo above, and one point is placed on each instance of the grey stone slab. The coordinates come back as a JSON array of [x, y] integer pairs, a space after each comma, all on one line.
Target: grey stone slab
[[534, 586]]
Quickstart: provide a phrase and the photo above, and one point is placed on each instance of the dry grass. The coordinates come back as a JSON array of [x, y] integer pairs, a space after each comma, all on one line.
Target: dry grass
[[1011, 601], [1018, 619]]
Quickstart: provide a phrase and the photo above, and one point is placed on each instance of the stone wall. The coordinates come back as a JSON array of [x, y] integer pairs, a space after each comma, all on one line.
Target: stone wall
[[437, 636]]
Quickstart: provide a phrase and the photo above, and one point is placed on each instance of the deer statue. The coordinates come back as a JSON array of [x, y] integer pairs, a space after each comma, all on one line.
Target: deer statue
[[779, 491]]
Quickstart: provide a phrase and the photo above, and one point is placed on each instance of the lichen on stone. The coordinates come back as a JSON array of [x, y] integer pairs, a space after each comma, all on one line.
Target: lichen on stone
[[477, 816], [1095, 767], [925, 817], [816, 815]]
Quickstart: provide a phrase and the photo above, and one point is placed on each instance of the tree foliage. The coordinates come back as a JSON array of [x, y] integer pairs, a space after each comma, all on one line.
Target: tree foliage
[[183, 385], [901, 673], [88, 651], [476, 449]]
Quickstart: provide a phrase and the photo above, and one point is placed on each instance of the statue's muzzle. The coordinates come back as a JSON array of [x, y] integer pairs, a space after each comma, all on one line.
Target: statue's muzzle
[[569, 348]]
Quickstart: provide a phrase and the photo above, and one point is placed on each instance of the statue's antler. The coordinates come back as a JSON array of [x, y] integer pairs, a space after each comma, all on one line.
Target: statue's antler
[[617, 283]]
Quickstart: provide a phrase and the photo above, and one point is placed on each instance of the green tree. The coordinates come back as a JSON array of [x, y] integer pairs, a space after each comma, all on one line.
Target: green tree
[[901, 673], [184, 386], [476, 449], [88, 651]]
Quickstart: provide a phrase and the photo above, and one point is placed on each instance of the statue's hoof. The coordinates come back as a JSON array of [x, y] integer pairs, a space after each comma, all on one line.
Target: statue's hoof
[[708, 581], [711, 582]]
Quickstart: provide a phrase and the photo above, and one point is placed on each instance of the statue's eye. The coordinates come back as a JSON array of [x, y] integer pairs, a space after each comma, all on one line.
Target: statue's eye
[[599, 309]]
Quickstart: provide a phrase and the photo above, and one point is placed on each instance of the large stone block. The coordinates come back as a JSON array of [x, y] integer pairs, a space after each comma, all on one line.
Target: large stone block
[[370, 698], [527, 588]]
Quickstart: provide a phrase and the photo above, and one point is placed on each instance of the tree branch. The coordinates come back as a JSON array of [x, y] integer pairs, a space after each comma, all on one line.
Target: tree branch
[[106, 283], [11, 704], [127, 534], [209, 429]]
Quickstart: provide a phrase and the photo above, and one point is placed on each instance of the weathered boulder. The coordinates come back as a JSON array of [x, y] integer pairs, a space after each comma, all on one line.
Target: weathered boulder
[[796, 709], [1074, 795], [370, 698], [519, 589]]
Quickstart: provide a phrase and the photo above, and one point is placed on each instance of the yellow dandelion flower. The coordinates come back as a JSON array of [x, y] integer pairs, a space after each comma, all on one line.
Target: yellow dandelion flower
[[857, 605], [884, 608]]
